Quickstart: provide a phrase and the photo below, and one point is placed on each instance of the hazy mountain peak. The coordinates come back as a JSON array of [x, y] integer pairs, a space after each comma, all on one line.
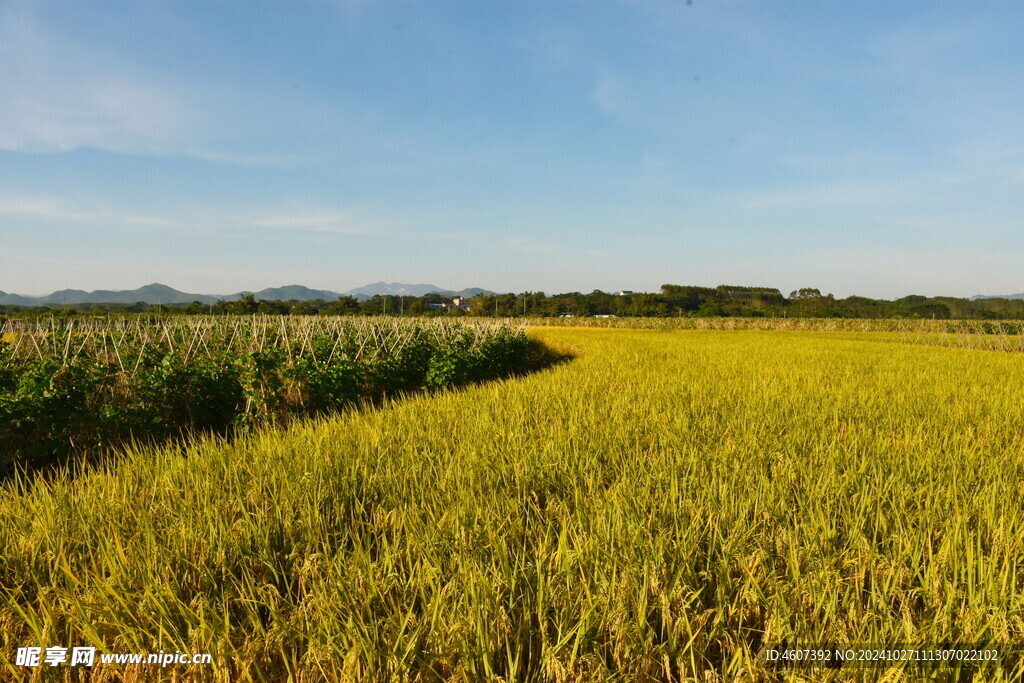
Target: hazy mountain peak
[[157, 293], [395, 289], [978, 297]]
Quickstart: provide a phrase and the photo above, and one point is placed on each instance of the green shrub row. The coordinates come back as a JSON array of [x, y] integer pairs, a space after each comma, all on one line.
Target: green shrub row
[[55, 406], [985, 327]]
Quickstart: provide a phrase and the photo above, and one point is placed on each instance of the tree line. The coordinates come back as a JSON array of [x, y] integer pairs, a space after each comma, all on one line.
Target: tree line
[[672, 300]]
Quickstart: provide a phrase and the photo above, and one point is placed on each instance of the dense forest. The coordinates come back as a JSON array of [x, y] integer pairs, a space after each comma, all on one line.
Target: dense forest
[[672, 300]]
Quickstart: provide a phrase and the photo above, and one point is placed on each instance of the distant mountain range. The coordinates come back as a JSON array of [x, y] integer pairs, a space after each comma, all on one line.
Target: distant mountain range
[[978, 297], [162, 294], [399, 289]]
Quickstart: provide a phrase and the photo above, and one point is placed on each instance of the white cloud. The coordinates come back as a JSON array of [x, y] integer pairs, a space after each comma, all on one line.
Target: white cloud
[[314, 220], [150, 221], [44, 208], [529, 245], [61, 92], [62, 210], [58, 95], [609, 95], [835, 194], [915, 47]]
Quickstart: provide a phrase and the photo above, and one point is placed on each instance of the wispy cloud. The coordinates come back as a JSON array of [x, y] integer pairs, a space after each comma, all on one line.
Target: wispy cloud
[[956, 90], [59, 95], [915, 47], [858, 194], [149, 221], [315, 220], [63, 210], [529, 245], [247, 159], [209, 220], [610, 95], [44, 208]]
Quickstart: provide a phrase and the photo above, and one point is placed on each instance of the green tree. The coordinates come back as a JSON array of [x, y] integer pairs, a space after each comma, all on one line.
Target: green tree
[[246, 305], [345, 305]]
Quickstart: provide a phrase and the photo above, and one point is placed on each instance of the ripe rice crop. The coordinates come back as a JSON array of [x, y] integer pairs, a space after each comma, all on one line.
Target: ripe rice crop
[[904, 326], [658, 509], [975, 334]]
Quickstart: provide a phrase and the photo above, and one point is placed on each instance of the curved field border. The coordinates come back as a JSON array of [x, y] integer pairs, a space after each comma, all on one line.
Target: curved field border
[[74, 392]]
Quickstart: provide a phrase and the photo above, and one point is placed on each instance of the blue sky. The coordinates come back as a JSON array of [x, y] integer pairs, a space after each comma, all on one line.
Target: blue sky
[[869, 148]]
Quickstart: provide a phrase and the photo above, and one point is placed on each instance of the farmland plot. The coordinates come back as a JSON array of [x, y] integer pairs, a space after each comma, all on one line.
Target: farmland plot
[[662, 508], [78, 389]]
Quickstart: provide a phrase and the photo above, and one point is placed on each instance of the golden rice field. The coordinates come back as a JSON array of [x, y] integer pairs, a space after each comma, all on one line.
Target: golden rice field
[[658, 509]]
